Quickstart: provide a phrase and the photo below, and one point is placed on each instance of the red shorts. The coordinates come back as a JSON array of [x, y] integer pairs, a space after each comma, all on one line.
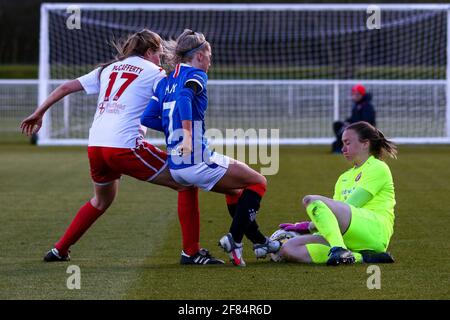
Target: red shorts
[[143, 163]]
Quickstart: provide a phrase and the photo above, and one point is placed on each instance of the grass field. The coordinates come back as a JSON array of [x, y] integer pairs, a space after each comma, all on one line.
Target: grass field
[[132, 252]]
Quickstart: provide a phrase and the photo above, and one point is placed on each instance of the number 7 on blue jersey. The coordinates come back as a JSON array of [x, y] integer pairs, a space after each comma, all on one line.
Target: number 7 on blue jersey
[[168, 108]]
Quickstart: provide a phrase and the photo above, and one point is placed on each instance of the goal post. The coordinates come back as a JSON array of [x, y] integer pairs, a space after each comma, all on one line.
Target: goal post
[[447, 74], [44, 75], [275, 66]]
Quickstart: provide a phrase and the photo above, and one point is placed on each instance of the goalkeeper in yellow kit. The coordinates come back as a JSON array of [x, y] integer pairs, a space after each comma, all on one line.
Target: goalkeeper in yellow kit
[[357, 224]]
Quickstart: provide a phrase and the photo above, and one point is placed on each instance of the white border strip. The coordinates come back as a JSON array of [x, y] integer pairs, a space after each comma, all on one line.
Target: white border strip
[[287, 82], [44, 72], [327, 82], [243, 7], [282, 141], [18, 81], [447, 91], [265, 82], [84, 142]]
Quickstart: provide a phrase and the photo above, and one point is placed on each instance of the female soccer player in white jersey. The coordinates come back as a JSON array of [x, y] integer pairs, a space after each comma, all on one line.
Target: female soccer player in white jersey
[[116, 141], [357, 224], [178, 109]]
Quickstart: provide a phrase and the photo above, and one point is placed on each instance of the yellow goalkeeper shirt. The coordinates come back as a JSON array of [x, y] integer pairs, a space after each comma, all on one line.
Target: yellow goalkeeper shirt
[[375, 177]]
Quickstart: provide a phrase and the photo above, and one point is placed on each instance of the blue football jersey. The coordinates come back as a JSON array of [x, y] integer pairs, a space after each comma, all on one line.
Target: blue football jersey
[[169, 101]]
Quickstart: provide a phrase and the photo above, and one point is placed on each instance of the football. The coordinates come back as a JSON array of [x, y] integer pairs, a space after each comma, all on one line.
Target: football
[[282, 236]]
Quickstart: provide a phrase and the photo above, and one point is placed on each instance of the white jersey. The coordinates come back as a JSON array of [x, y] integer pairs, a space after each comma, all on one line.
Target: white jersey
[[125, 88]]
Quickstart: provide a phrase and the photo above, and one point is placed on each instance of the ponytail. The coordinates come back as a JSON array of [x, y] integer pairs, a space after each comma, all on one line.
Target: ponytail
[[135, 44], [385, 148], [380, 147], [184, 48]]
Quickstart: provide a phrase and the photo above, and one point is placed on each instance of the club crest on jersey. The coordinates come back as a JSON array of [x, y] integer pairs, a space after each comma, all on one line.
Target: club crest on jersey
[[358, 177]]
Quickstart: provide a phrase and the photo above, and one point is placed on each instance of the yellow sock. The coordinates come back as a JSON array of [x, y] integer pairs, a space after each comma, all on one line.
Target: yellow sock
[[326, 222]]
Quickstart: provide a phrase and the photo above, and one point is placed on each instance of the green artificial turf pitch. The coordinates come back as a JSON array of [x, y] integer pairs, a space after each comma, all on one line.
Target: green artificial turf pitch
[[133, 251]]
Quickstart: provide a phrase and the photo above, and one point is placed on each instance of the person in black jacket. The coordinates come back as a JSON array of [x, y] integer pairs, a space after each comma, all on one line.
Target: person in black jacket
[[362, 110]]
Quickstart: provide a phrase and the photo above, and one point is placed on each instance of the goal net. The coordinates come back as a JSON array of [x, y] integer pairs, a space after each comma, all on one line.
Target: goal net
[[286, 67]]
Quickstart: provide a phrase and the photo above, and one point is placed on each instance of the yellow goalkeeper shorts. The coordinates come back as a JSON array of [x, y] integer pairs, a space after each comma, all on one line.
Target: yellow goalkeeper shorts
[[367, 231]]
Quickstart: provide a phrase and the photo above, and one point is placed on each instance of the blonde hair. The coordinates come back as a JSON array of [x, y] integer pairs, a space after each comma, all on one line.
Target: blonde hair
[[183, 48], [380, 147], [135, 44]]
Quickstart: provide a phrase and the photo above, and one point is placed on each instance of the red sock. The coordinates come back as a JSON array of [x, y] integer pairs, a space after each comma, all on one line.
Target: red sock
[[233, 199], [85, 217], [189, 216], [259, 188]]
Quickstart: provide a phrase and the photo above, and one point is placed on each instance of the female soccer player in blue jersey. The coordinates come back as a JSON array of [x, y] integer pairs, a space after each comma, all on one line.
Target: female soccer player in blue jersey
[[178, 109], [357, 224], [117, 145]]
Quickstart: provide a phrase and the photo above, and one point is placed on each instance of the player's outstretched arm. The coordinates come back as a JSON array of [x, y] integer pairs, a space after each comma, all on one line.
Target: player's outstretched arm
[[33, 123]]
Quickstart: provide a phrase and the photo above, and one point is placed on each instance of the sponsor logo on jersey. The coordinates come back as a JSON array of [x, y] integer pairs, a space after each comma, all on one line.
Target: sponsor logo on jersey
[[358, 177], [101, 107]]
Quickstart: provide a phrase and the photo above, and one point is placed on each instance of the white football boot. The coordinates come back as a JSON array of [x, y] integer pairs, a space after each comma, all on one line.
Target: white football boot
[[270, 246], [233, 249]]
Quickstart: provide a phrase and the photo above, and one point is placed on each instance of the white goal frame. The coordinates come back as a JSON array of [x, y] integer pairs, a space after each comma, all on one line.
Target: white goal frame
[[44, 66]]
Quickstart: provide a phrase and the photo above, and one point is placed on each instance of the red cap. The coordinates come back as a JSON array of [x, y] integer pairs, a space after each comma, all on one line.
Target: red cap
[[360, 89]]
